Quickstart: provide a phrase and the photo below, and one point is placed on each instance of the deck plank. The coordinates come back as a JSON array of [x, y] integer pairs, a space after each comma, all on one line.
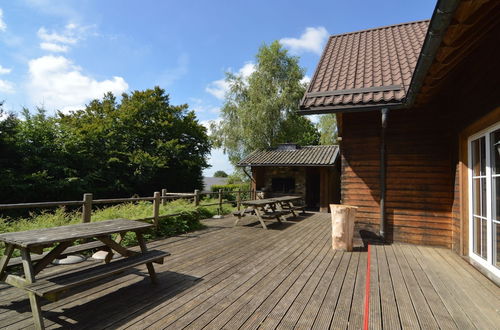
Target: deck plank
[[341, 315], [286, 277], [313, 306], [375, 317], [390, 316], [482, 315], [422, 309], [327, 309], [453, 306], [407, 315], [356, 313]]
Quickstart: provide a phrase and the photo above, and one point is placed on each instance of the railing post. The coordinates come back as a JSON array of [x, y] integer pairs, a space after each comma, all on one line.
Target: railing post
[[220, 201], [196, 197], [238, 199], [156, 208], [164, 194], [87, 207]]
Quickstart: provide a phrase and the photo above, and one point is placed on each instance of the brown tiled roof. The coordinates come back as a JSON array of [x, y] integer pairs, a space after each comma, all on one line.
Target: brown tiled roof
[[370, 67], [291, 156]]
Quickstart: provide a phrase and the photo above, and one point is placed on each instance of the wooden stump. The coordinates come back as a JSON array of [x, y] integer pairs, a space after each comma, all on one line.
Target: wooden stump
[[343, 217]]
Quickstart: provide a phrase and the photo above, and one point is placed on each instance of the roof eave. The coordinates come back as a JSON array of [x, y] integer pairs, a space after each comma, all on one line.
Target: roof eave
[[284, 165], [441, 18], [349, 108]]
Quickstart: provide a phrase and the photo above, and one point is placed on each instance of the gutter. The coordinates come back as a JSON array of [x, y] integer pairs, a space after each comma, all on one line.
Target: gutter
[[441, 18]]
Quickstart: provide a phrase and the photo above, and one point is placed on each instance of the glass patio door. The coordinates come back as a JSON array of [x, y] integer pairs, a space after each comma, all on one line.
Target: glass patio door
[[484, 198]]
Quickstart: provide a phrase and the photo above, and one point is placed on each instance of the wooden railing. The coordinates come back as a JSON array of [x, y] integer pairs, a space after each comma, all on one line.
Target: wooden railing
[[158, 198]]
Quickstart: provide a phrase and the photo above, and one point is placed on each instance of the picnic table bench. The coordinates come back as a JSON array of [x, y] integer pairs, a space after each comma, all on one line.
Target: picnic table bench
[[269, 208], [34, 241]]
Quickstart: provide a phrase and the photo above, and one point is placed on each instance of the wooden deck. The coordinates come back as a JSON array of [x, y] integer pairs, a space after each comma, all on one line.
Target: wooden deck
[[285, 277]]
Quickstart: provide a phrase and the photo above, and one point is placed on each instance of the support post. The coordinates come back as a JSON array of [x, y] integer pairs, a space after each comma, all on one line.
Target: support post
[[196, 197], [164, 194], [238, 199], [87, 207], [220, 201], [383, 129], [156, 208]]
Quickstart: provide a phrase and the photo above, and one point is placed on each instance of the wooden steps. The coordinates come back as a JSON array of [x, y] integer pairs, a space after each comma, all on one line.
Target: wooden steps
[[51, 288]]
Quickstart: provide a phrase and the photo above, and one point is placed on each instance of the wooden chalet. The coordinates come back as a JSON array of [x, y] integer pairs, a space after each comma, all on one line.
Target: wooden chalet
[[289, 169], [419, 120]]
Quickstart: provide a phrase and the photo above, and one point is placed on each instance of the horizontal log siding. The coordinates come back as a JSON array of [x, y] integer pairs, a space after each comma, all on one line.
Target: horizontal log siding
[[420, 178]]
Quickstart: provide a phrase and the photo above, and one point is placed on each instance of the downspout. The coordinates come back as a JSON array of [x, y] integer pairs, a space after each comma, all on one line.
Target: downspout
[[383, 163]]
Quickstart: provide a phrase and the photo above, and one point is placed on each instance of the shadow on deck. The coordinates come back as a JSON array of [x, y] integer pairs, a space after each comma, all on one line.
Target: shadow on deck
[[286, 277]]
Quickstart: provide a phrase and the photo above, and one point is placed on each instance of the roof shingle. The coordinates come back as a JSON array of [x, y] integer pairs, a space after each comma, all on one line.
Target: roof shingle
[[301, 156], [368, 67]]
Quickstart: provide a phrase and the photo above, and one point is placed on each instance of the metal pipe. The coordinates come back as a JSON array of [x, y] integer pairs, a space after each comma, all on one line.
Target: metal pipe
[[383, 160]]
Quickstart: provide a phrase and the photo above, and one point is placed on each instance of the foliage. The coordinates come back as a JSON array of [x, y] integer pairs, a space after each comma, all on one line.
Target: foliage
[[139, 145], [238, 176], [260, 112], [220, 174], [244, 187], [328, 129], [187, 221]]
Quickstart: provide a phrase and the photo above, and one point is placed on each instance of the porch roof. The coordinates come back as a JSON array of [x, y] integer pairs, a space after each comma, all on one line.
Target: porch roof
[[293, 155]]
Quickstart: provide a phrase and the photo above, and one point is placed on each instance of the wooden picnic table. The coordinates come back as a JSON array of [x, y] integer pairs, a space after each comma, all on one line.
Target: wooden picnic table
[[62, 238], [269, 208]]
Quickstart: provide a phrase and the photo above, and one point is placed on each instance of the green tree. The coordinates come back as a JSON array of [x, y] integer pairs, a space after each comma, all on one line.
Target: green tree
[[220, 174], [328, 129], [140, 145], [261, 112]]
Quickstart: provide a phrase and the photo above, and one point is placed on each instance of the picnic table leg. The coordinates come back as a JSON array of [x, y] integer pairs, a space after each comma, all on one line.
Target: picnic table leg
[[239, 216], [291, 206], [30, 278], [4, 260], [257, 212], [144, 249]]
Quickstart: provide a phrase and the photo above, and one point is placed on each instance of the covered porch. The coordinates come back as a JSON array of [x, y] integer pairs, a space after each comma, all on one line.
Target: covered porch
[[286, 277]]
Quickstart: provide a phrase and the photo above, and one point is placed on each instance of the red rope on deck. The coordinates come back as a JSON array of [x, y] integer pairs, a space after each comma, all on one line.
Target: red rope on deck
[[367, 292]]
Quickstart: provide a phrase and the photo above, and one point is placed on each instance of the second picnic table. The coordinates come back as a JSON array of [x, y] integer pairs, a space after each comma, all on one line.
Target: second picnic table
[[270, 208]]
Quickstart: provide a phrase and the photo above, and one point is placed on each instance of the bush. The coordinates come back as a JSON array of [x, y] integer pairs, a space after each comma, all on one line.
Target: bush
[[244, 187], [188, 219]]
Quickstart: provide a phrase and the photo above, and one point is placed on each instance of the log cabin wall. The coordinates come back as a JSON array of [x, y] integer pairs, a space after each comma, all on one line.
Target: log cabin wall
[[419, 196], [427, 193]]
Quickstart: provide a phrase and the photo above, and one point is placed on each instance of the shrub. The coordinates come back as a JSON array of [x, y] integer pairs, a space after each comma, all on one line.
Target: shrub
[[188, 218], [244, 187]]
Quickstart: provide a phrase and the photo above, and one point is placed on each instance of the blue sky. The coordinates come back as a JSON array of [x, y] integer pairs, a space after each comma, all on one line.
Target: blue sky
[[62, 53]]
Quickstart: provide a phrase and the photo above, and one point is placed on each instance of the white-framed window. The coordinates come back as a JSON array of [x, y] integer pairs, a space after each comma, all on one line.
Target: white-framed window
[[484, 198]]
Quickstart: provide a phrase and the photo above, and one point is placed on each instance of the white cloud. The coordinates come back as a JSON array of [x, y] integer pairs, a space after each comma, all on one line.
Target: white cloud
[[200, 107], [56, 48], [3, 26], [65, 38], [311, 40], [57, 42], [305, 80], [57, 83], [6, 86], [247, 69], [208, 123], [219, 88], [4, 70]]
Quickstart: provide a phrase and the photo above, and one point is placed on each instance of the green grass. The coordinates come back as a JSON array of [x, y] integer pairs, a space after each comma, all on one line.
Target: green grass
[[189, 219]]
